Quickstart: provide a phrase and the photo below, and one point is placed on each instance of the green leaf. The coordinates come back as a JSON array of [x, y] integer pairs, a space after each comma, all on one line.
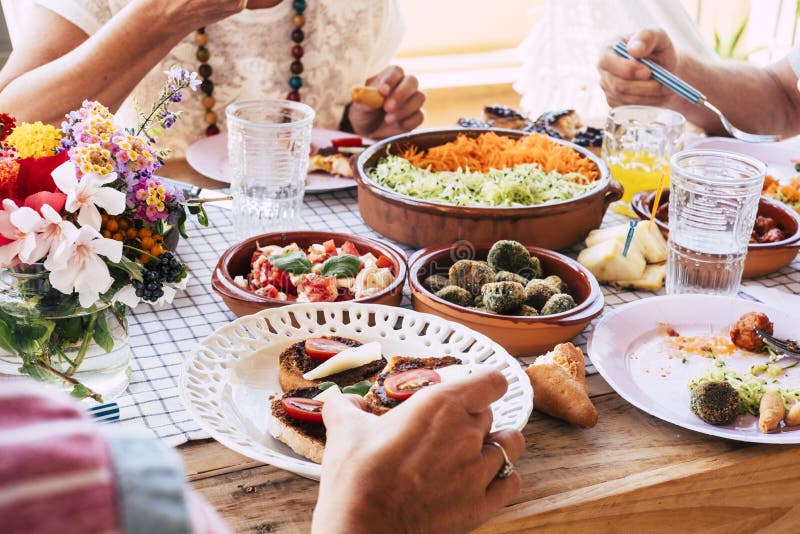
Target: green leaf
[[181, 224], [130, 267], [344, 266], [7, 338], [202, 217], [194, 209], [359, 388], [102, 334], [79, 391], [291, 262], [69, 329], [33, 336], [322, 386], [35, 372], [158, 227]]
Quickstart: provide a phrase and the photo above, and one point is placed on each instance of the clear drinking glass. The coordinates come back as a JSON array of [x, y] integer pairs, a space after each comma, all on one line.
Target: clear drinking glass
[[637, 145], [713, 201], [268, 146]]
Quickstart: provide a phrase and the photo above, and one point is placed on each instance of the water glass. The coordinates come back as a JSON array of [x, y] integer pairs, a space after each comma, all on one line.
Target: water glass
[[637, 145], [268, 147], [713, 201]]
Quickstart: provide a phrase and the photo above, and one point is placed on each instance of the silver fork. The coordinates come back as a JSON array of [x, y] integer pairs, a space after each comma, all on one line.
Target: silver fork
[[683, 89], [786, 346]]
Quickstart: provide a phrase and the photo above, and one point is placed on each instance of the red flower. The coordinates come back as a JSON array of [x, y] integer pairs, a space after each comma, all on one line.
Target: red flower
[[54, 200], [7, 123], [34, 176]]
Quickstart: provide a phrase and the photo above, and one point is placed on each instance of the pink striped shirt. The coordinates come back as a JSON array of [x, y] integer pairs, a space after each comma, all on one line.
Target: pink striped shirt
[[60, 473]]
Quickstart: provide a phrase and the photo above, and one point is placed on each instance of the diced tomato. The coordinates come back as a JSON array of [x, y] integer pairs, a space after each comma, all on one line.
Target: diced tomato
[[349, 248], [383, 261], [402, 385], [269, 291], [320, 348], [319, 288], [302, 409], [330, 247], [256, 254], [280, 279], [347, 141]]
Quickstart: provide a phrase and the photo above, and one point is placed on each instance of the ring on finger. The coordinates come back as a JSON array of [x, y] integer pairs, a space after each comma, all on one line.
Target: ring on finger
[[507, 468]]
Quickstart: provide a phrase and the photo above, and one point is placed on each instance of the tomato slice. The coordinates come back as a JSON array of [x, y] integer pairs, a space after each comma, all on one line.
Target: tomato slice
[[321, 349], [383, 261], [349, 248], [330, 247], [347, 142], [402, 385], [302, 409]]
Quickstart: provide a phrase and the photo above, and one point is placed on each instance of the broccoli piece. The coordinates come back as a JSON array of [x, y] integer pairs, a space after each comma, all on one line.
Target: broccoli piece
[[538, 292], [558, 283], [716, 402], [456, 295], [506, 276], [503, 297], [471, 275], [435, 282], [558, 303]]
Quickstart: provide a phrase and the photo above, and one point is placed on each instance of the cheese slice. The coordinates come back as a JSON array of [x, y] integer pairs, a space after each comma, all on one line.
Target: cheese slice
[[453, 372], [328, 393], [347, 359]]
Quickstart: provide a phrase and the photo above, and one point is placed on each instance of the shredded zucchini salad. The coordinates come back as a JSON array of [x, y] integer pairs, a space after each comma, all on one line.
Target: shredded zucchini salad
[[525, 184]]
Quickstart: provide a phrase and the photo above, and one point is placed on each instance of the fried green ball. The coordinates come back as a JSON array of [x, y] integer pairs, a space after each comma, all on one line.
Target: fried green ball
[[471, 275], [558, 303], [478, 301], [435, 282], [527, 311], [503, 297], [716, 402], [557, 282], [538, 292], [509, 256], [506, 276], [456, 295]]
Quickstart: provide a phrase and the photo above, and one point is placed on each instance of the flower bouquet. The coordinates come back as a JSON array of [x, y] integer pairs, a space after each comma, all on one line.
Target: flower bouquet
[[82, 237]]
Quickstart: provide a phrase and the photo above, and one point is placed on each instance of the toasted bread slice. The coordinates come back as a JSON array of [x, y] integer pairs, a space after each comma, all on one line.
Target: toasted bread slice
[[559, 386], [306, 439], [377, 401], [369, 96], [294, 361]]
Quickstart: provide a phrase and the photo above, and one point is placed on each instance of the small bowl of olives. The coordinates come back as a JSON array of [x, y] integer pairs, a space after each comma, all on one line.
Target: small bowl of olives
[[528, 299]]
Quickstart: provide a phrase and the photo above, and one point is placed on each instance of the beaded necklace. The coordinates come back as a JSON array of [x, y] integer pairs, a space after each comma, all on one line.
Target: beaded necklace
[[205, 71]]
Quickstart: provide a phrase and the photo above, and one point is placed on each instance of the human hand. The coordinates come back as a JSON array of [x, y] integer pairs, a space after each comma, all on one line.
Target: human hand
[[188, 15], [402, 106], [423, 466], [625, 81]]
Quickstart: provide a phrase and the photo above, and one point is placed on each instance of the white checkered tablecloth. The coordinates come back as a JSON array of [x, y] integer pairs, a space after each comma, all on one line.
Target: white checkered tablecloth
[[160, 337]]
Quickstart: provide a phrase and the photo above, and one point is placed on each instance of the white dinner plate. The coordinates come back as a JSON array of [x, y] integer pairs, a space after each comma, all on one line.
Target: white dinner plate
[[778, 157], [623, 349], [209, 157], [227, 381]]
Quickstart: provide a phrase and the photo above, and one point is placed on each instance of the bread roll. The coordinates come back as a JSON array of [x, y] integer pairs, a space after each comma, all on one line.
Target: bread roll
[[559, 385]]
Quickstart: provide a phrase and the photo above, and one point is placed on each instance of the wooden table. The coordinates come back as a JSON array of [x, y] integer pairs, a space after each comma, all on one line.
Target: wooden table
[[631, 473]]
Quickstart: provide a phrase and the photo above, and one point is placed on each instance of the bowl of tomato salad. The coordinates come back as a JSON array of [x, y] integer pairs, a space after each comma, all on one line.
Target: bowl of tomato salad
[[276, 269]]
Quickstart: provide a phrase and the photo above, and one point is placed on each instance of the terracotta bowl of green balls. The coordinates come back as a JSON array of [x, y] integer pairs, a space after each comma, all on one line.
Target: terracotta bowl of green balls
[[527, 299]]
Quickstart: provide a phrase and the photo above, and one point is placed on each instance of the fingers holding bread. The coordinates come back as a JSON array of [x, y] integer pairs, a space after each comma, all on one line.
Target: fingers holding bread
[[559, 385], [367, 96]]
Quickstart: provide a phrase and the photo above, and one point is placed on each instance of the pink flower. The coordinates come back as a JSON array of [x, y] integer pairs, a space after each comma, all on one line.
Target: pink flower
[[21, 226]]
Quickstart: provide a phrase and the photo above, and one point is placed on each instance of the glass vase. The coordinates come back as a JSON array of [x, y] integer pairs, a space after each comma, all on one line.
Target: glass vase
[[49, 336]]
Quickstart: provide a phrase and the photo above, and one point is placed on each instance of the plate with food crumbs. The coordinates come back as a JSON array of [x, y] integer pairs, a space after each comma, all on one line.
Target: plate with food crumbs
[[697, 362]]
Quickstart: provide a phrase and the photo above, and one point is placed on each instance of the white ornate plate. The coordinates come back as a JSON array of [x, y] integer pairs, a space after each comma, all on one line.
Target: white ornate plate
[[227, 380], [624, 349], [209, 157]]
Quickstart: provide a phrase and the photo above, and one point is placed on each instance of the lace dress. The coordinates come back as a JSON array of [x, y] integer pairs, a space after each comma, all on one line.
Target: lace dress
[[346, 42]]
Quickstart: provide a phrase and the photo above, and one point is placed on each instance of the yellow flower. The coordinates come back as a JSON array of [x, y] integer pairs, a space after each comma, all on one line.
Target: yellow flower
[[35, 140]]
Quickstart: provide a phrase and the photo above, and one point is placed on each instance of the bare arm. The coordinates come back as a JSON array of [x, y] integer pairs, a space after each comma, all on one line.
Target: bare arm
[[756, 99], [58, 65]]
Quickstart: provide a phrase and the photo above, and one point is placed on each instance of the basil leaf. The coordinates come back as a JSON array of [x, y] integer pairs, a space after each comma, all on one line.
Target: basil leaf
[[359, 388], [344, 266], [292, 262], [322, 386]]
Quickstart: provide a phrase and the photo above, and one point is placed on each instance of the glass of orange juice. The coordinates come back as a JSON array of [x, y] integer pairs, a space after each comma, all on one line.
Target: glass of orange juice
[[638, 143]]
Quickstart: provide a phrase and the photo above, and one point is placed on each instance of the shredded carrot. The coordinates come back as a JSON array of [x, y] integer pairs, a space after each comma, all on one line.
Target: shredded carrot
[[492, 151]]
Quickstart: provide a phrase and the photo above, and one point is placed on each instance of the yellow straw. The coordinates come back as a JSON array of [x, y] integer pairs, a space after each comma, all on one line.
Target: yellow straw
[[659, 190]]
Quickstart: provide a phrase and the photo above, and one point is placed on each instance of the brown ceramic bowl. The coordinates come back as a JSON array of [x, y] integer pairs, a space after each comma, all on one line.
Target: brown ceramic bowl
[[520, 336], [762, 258], [236, 261], [421, 223]]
